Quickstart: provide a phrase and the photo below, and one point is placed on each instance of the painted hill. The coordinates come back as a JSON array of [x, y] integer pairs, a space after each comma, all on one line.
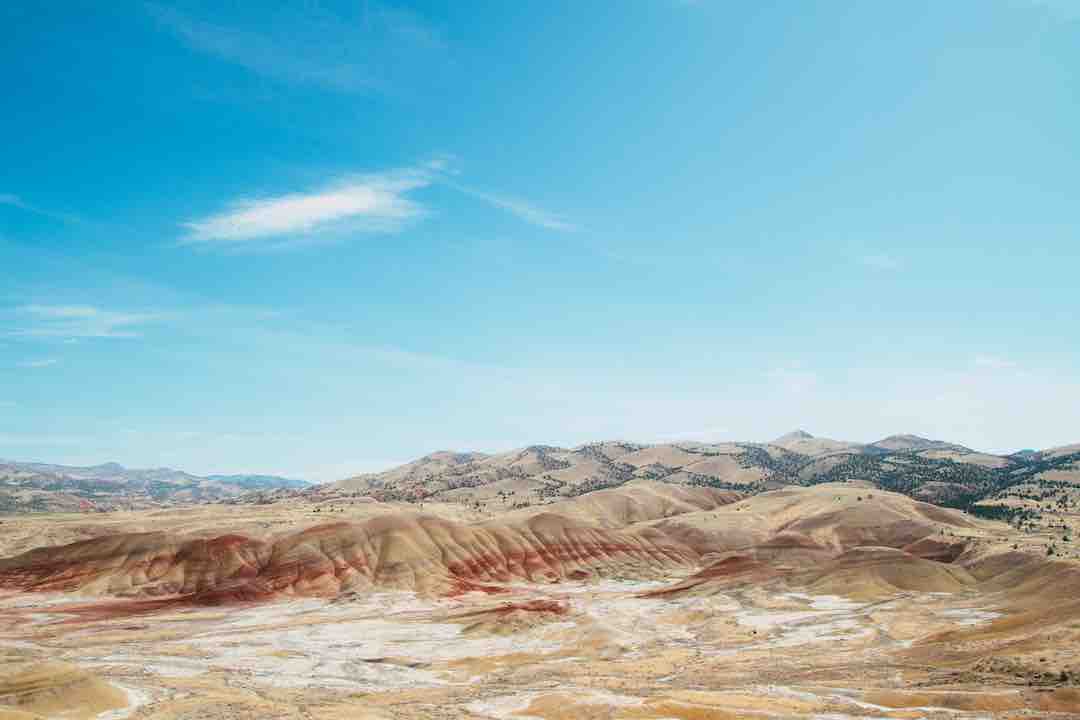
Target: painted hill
[[835, 539], [406, 551]]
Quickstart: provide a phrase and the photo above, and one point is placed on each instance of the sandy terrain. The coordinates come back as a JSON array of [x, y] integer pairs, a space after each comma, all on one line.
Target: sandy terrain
[[607, 653], [831, 603]]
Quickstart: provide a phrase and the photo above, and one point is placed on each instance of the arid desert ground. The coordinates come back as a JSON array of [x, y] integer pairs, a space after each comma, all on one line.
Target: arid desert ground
[[648, 600]]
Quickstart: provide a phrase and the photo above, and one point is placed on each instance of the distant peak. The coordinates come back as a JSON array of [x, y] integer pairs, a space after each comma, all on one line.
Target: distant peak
[[439, 455], [450, 456], [907, 441], [795, 435]]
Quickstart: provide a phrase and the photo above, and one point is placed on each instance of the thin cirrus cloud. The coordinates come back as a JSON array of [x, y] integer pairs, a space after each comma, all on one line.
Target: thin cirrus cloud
[[793, 379], [14, 201], [370, 47], [993, 362], [371, 203], [881, 262], [37, 363], [521, 209], [380, 202], [1062, 10], [79, 321]]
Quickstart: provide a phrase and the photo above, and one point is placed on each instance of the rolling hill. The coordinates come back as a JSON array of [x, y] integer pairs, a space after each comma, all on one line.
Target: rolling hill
[[935, 471], [44, 487]]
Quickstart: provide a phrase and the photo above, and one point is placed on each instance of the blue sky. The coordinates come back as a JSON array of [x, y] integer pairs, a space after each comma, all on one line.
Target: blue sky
[[321, 238]]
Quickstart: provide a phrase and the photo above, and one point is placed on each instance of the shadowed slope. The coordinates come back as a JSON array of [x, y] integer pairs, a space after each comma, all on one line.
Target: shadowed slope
[[875, 572], [54, 689], [635, 502], [828, 519], [837, 539]]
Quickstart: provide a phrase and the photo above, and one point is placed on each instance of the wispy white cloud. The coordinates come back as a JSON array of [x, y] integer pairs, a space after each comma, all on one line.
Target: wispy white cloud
[[794, 379], [374, 202], [79, 321], [43, 439], [369, 203], [15, 201], [993, 362], [37, 363], [705, 434], [1061, 10], [522, 209], [365, 49], [881, 262]]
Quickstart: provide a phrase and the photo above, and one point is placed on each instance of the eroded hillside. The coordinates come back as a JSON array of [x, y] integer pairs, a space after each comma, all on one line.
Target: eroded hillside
[[650, 600]]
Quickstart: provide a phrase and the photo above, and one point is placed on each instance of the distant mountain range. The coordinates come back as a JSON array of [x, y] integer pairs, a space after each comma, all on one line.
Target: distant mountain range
[[44, 487], [949, 474], [932, 470]]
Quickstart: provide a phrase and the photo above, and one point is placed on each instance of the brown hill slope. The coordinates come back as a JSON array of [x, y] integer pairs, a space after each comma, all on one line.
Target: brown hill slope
[[804, 443], [539, 473], [42, 487], [636, 502], [874, 572], [834, 538], [827, 518], [933, 470]]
